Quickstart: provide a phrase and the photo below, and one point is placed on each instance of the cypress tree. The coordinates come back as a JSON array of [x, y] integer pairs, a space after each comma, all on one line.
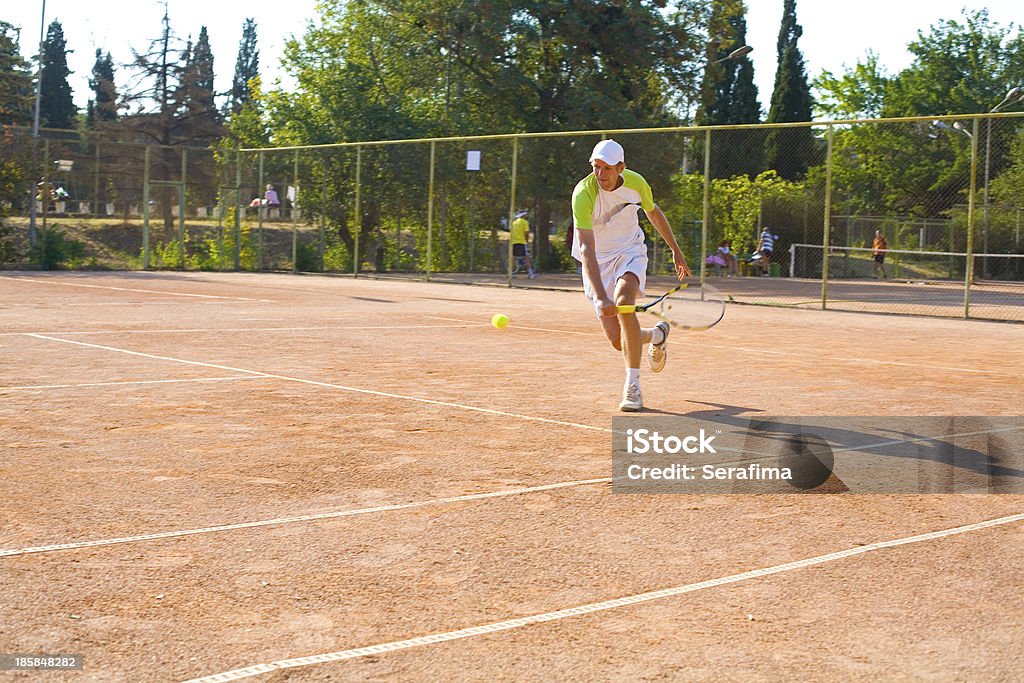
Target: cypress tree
[[790, 151], [56, 106], [196, 89], [247, 67], [103, 105]]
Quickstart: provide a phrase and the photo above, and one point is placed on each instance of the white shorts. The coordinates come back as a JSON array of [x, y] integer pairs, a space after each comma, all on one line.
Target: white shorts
[[631, 262]]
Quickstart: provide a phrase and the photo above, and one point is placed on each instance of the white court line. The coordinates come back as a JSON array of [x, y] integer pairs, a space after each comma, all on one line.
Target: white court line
[[12, 552], [495, 627], [328, 385], [127, 383], [246, 329], [130, 289]]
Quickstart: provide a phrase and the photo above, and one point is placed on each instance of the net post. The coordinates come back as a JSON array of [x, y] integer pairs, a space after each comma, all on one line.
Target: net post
[[826, 231]]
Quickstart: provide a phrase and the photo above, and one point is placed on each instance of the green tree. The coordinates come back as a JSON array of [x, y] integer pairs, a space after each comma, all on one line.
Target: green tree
[[56, 105], [247, 67], [103, 105], [790, 151], [860, 93], [388, 69], [16, 89], [960, 66]]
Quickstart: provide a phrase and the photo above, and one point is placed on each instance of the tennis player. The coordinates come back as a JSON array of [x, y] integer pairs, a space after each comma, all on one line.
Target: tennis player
[[608, 241]]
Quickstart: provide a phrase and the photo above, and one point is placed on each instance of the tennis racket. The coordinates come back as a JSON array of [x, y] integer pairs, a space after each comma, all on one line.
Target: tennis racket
[[687, 308]]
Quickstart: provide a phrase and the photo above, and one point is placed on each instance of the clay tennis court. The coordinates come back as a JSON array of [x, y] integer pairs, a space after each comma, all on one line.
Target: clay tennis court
[[270, 477]]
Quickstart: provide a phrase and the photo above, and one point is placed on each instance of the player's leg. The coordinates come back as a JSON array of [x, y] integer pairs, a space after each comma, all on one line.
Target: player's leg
[[626, 290]]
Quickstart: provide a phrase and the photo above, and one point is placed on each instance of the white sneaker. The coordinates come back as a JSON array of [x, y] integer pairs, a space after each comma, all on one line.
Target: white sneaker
[[632, 400], [657, 354]]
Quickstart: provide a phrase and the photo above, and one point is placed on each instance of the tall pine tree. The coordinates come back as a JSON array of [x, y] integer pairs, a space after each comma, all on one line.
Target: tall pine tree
[[247, 67], [15, 80], [790, 151], [103, 105], [56, 106]]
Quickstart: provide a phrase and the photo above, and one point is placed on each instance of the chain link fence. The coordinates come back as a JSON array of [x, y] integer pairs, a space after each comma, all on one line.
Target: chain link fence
[[945, 194]]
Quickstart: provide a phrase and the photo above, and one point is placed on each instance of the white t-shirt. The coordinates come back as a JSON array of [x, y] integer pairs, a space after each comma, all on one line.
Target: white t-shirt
[[611, 215]]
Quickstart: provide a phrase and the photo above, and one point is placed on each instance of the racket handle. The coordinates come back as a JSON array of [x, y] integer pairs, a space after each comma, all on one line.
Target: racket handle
[[627, 308]]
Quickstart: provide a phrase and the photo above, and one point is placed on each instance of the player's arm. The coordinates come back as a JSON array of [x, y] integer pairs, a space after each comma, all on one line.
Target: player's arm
[[660, 223], [591, 271]]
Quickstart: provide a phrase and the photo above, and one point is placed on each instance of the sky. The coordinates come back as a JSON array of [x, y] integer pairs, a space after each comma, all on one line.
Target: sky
[[835, 34]]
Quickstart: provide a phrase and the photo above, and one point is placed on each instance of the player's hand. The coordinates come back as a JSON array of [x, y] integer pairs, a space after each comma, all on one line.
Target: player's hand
[[682, 270]]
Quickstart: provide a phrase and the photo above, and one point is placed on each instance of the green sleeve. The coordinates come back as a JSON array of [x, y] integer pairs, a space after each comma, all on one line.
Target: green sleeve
[[583, 204]]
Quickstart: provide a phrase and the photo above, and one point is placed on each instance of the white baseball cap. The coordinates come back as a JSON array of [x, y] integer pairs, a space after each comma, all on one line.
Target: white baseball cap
[[608, 151]]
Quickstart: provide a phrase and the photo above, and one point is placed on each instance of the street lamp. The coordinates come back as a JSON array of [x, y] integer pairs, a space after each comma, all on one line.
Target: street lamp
[[1015, 94], [735, 54]]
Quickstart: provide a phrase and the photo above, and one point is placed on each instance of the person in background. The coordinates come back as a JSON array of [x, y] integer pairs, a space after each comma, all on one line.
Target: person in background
[[520, 240], [765, 247], [272, 202], [878, 249]]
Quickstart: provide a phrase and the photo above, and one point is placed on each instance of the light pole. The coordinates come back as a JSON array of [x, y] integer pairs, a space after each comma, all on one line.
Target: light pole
[[35, 131], [738, 53], [1012, 96]]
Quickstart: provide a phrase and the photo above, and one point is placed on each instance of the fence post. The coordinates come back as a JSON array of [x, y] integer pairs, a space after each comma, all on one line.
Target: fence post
[[827, 229], [358, 211], [295, 224], [238, 210], [512, 206], [706, 212], [145, 208], [430, 210], [181, 208], [259, 216], [96, 179], [972, 190]]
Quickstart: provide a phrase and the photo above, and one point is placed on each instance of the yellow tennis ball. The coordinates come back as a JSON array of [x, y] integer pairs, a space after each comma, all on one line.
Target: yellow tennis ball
[[499, 320]]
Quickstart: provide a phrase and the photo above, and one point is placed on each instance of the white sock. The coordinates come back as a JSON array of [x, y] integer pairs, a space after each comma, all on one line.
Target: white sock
[[633, 376], [657, 332]]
